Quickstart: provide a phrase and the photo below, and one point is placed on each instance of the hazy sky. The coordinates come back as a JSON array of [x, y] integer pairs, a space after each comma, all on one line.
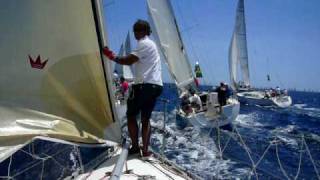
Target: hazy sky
[[283, 37]]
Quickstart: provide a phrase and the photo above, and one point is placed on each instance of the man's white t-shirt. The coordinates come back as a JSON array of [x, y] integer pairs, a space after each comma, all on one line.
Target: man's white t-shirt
[[148, 67]]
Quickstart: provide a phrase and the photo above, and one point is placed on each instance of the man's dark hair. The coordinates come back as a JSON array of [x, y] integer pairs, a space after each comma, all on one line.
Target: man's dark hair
[[142, 26], [122, 79]]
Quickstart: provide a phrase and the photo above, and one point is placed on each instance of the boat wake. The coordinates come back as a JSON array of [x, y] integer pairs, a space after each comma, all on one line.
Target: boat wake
[[303, 109], [248, 120], [221, 154]]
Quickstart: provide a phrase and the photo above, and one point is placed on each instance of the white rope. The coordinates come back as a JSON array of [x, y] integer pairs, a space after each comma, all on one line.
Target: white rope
[[247, 151], [310, 156], [300, 159], [9, 167], [280, 164], [227, 143], [264, 153], [42, 170]]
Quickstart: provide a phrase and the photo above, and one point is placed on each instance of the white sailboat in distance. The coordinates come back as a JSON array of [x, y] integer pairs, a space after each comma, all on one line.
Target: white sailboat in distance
[[168, 39], [238, 54]]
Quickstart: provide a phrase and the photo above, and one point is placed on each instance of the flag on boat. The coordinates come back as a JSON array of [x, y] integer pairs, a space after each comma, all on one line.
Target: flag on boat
[[197, 70]]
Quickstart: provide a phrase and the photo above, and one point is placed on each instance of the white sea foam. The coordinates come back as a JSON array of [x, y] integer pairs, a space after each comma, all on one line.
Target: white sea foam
[[248, 120], [305, 110], [300, 106]]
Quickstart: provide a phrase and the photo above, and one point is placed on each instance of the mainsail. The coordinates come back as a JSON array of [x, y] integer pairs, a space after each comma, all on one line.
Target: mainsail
[[52, 78], [168, 39], [125, 70], [238, 52]]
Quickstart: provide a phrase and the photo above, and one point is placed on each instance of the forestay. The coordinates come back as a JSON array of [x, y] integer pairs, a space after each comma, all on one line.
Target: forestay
[[168, 38], [238, 52]]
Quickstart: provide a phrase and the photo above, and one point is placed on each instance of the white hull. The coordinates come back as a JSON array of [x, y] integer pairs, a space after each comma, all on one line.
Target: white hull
[[209, 119], [258, 98]]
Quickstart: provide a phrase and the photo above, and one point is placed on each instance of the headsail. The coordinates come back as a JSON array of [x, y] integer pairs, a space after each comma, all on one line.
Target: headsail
[[125, 70], [168, 38], [52, 81], [238, 52]]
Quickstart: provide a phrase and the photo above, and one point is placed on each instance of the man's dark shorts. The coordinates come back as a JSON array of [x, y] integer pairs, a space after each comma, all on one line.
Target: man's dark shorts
[[142, 99]]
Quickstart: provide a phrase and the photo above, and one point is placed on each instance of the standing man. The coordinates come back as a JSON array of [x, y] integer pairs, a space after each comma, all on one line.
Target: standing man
[[147, 86], [222, 95]]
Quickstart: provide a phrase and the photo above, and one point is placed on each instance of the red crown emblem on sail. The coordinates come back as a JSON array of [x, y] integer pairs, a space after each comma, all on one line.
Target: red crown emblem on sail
[[37, 63]]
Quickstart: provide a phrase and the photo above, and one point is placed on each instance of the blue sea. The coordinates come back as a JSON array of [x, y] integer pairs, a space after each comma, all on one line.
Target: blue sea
[[264, 143]]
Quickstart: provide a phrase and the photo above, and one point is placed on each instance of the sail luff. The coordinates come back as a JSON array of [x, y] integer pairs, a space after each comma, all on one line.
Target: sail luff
[[242, 42], [233, 62], [180, 38]]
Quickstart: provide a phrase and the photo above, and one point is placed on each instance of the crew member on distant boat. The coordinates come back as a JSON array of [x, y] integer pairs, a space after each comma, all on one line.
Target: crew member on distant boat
[[195, 100], [124, 86], [222, 94], [147, 86], [185, 103], [278, 91]]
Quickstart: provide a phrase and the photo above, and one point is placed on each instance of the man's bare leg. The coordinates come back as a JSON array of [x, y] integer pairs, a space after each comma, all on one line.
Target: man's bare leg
[[146, 130], [133, 131]]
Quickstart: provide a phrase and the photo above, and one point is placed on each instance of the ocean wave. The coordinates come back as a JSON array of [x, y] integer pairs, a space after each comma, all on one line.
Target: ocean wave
[[248, 120]]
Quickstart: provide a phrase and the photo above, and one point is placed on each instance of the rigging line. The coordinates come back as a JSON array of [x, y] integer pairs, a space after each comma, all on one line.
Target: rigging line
[[263, 155], [247, 150], [310, 156], [219, 147], [9, 167], [279, 162], [108, 3], [188, 34], [300, 159], [227, 143], [115, 25], [256, 166]]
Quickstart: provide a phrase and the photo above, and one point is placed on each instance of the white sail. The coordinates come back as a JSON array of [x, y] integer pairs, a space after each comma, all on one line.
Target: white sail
[[238, 52], [125, 70], [52, 79], [233, 62], [168, 39]]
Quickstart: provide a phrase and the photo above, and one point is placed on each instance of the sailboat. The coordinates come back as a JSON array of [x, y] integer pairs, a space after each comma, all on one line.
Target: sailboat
[[238, 53], [124, 70], [168, 39], [58, 118]]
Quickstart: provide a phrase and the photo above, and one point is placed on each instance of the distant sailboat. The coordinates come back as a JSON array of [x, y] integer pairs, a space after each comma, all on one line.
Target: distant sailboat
[[124, 70], [238, 54], [171, 45]]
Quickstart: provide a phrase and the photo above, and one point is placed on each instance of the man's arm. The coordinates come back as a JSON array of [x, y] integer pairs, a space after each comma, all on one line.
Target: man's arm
[[126, 60]]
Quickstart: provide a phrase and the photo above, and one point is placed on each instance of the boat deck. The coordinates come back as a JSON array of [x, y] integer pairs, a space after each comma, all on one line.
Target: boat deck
[[136, 168]]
